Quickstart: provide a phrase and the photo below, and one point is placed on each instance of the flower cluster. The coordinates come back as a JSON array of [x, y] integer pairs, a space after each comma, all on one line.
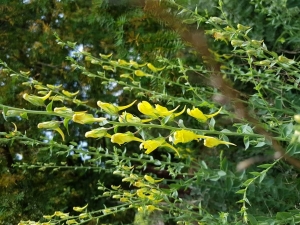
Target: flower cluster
[[156, 112]]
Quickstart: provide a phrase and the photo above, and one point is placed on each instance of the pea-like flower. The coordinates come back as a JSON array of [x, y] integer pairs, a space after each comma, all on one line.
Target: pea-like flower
[[80, 209], [151, 145], [147, 109], [159, 111], [200, 116], [112, 109], [151, 180], [184, 136], [129, 118], [70, 94], [121, 138], [36, 100], [64, 111], [153, 68], [84, 118], [52, 125], [211, 142], [97, 133]]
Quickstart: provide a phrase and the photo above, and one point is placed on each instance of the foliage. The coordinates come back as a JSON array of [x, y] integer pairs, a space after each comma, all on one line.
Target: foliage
[[160, 138]]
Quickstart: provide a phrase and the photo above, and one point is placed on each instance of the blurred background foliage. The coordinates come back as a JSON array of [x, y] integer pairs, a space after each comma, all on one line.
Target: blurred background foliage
[[123, 28]]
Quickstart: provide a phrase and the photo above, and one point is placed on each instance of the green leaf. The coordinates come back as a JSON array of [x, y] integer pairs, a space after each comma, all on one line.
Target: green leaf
[[66, 124], [252, 219], [203, 164], [116, 129], [4, 113], [246, 142], [255, 173], [49, 107], [259, 144], [24, 115], [180, 123], [157, 162], [265, 165], [262, 176], [242, 191], [166, 119], [246, 200], [247, 182], [221, 173]]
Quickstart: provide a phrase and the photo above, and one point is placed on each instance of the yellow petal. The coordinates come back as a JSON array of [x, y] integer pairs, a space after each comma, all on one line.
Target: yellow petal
[[151, 145], [151, 208], [147, 109], [126, 106], [97, 133], [163, 111], [211, 142], [80, 209], [152, 180], [182, 111], [105, 56], [128, 118], [84, 118], [107, 107], [70, 94], [140, 73], [153, 68], [214, 114], [184, 136], [121, 138], [60, 132], [198, 114]]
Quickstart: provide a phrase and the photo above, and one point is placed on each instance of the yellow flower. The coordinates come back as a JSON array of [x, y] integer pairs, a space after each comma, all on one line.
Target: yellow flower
[[121, 138], [71, 222], [153, 68], [52, 125], [140, 73], [129, 118], [151, 208], [61, 214], [159, 111], [212, 142], [151, 145], [70, 94], [36, 100], [97, 133], [80, 209], [140, 193], [151, 180], [84, 118], [163, 111], [184, 136], [57, 98], [111, 109], [54, 87], [147, 109], [198, 114], [16, 113], [64, 111]]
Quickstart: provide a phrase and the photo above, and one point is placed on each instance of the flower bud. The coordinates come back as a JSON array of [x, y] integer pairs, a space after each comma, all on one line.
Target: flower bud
[[64, 111], [84, 118], [36, 100], [49, 125], [97, 133]]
